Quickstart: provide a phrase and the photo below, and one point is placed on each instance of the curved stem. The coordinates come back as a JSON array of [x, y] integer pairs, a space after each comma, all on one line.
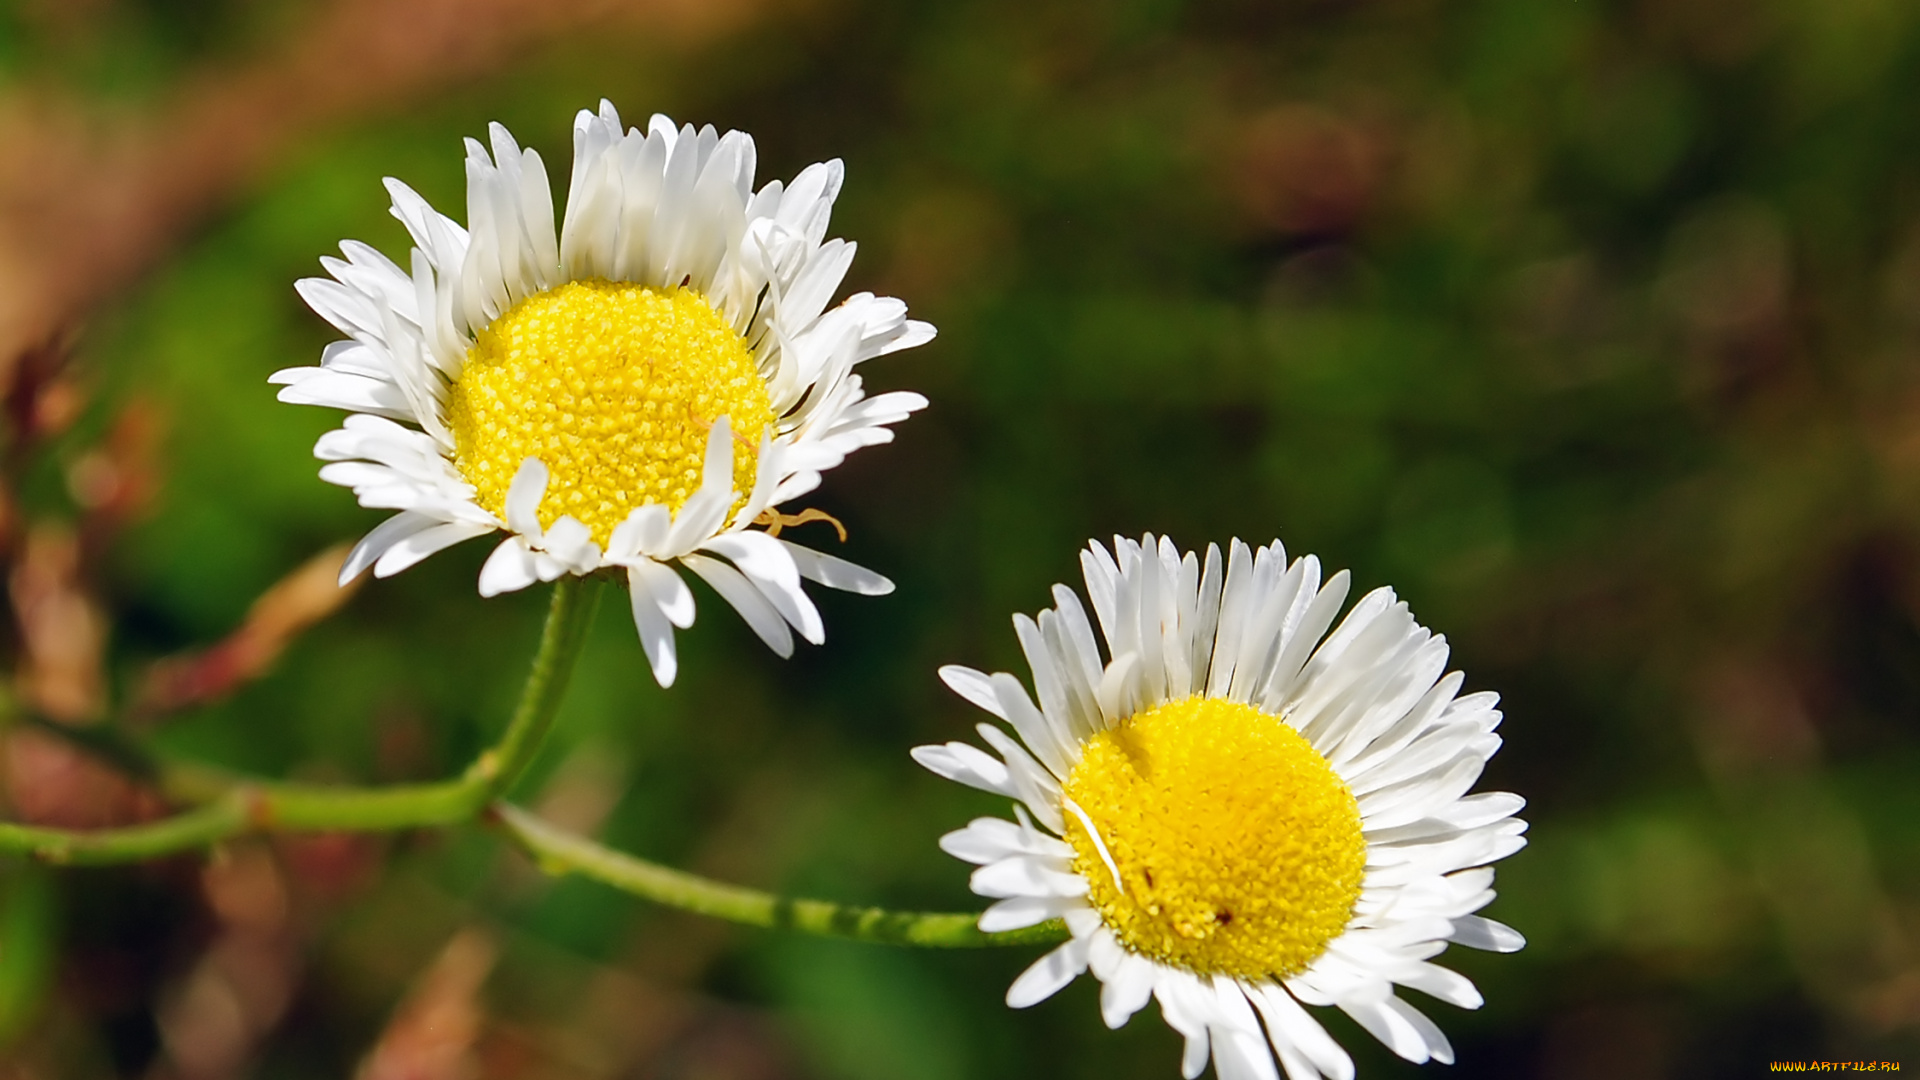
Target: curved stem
[[568, 617], [232, 806], [561, 852], [194, 829], [251, 807]]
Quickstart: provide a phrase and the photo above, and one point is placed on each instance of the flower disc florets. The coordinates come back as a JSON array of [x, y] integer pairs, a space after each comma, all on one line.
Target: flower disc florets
[[1238, 845], [614, 387]]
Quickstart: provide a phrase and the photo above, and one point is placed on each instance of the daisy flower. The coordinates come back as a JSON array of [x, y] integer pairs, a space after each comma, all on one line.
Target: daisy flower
[[1233, 815], [635, 390]]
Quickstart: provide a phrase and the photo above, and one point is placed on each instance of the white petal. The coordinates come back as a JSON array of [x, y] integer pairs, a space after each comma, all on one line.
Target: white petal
[[700, 517], [523, 498], [642, 534], [361, 474], [570, 542], [1021, 912], [353, 358], [509, 568], [1027, 875], [1484, 808], [1118, 689], [656, 632], [340, 390], [1281, 679], [968, 765], [1035, 730], [1411, 800], [1239, 1044], [1403, 1029], [1082, 921], [384, 535], [1477, 933], [718, 471], [418, 546], [1127, 989], [1079, 633], [1443, 983], [817, 282], [1048, 974], [1186, 1005], [765, 562], [1033, 784], [1289, 1027], [668, 590], [837, 573], [548, 568], [747, 600], [1353, 760], [1393, 1026], [1055, 680], [973, 685], [989, 839], [1101, 576], [1437, 1045]]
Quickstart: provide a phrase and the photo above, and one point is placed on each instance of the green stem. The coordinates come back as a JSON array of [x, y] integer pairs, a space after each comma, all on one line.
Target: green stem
[[328, 808], [232, 806], [561, 852], [251, 807], [568, 617], [194, 829]]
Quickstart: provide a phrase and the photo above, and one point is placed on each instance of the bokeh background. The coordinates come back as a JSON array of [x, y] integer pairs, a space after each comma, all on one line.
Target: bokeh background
[[1592, 327]]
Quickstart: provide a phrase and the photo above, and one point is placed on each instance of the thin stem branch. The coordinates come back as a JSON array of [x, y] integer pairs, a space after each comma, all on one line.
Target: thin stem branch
[[232, 806], [254, 806], [104, 741], [561, 852], [568, 617], [196, 828]]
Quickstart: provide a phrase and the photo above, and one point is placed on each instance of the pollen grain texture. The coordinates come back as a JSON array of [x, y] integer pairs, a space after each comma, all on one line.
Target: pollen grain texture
[[614, 387], [1239, 846]]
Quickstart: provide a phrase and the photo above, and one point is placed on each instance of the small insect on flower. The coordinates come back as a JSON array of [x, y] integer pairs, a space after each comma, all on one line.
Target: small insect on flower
[[633, 391], [1233, 815]]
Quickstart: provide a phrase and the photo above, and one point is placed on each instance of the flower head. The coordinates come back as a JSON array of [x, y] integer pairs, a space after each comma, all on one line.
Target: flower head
[[1237, 813], [635, 390]]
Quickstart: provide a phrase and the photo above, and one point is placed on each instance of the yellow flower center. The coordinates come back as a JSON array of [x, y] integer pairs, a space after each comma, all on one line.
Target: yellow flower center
[[1239, 846], [614, 387]]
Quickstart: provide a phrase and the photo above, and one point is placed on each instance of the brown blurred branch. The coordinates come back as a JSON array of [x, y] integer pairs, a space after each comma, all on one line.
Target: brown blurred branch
[[213, 1019], [87, 203], [293, 604], [432, 1034], [62, 628]]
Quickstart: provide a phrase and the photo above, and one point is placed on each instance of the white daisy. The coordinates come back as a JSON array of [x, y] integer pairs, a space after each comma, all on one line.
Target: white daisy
[[634, 391], [1235, 816]]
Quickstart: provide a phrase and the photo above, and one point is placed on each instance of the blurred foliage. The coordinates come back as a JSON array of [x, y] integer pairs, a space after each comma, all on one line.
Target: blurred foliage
[[1591, 327]]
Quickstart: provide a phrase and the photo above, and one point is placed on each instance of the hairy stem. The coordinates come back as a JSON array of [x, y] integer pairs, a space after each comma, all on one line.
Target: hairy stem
[[561, 852], [196, 828], [568, 617], [232, 806], [254, 806]]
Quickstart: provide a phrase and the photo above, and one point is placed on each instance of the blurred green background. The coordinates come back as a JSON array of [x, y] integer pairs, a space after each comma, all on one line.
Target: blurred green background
[[1592, 327]]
